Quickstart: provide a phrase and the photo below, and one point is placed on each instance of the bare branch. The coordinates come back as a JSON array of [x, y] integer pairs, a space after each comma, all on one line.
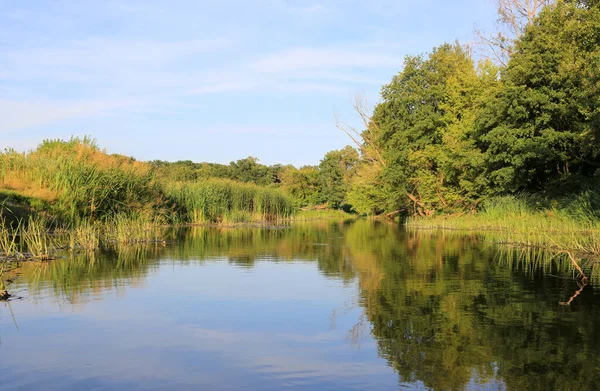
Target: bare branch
[[365, 141], [514, 16]]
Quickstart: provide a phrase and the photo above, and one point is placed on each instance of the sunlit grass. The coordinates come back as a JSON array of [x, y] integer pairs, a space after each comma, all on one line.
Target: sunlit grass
[[323, 214], [511, 220]]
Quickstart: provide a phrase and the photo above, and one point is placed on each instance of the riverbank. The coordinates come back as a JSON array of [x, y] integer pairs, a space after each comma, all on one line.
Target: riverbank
[[571, 234], [73, 182]]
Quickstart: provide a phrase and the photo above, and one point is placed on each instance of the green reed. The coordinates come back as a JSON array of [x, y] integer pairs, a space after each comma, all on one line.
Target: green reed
[[75, 182], [79, 181], [85, 236], [8, 239], [513, 220], [225, 201], [37, 238], [122, 229]]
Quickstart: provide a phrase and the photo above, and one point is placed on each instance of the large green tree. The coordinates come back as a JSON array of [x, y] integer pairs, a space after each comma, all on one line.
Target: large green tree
[[540, 131], [423, 127]]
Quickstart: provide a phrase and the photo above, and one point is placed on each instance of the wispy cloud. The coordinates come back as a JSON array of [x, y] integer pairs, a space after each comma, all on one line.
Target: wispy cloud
[[24, 114], [90, 60], [326, 58]]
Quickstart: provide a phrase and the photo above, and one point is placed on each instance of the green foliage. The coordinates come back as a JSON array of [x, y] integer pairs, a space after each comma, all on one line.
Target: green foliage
[[75, 180], [301, 184], [247, 170], [335, 171], [77, 184], [540, 130], [451, 134], [562, 225], [423, 127]]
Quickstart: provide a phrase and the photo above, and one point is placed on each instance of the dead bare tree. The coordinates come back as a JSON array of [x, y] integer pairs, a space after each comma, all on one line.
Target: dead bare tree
[[514, 16], [366, 140]]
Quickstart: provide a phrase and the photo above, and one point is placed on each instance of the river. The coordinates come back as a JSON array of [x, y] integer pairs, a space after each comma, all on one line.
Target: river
[[356, 305]]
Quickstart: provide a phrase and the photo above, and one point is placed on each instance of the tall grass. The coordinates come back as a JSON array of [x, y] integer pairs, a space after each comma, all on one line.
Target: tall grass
[[122, 229], [8, 239], [77, 184], [522, 221], [80, 181], [224, 201], [324, 214], [37, 238], [85, 236]]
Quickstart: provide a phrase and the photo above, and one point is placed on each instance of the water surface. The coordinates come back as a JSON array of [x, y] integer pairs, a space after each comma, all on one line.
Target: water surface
[[319, 306]]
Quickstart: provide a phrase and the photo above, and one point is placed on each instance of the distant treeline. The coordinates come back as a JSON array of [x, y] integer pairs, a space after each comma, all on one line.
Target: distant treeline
[[325, 184]]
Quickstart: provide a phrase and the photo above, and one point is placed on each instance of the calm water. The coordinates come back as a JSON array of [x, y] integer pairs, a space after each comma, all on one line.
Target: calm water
[[320, 306]]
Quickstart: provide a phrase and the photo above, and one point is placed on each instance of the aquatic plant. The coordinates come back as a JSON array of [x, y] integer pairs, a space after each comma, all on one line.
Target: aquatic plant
[[8, 239], [122, 229], [218, 201], [4, 295], [37, 238]]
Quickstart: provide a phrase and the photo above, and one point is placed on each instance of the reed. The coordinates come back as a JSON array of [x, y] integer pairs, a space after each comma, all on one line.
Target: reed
[[37, 239], [518, 221], [4, 295], [79, 181], [8, 239], [225, 201], [85, 236], [123, 229], [323, 214]]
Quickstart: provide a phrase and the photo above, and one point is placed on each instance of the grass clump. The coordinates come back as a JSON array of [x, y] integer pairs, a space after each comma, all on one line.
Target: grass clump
[[225, 201], [130, 230], [37, 238], [323, 214], [8, 239]]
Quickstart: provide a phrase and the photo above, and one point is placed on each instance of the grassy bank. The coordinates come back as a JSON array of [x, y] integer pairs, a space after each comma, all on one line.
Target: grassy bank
[[73, 184], [522, 221]]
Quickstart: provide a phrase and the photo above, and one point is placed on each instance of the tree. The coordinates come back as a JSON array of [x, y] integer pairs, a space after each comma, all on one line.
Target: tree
[[302, 184], [249, 170], [424, 124], [335, 171], [541, 130]]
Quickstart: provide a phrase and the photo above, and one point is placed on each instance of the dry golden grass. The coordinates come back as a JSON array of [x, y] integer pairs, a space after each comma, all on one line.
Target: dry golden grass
[[19, 183]]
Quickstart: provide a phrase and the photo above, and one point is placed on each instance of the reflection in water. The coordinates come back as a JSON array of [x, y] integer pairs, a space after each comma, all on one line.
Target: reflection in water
[[446, 312]]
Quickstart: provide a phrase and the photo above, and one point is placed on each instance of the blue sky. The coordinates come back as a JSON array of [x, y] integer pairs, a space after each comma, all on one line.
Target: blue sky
[[209, 80]]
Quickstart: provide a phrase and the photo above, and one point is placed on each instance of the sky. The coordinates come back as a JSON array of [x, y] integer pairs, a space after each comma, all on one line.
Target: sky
[[210, 80]]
